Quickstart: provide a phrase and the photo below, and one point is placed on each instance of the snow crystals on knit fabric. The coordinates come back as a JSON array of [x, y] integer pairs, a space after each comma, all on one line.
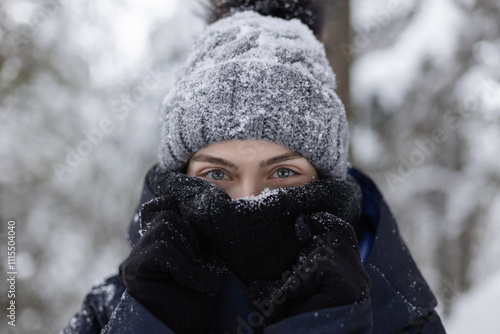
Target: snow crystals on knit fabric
[[256, 77]]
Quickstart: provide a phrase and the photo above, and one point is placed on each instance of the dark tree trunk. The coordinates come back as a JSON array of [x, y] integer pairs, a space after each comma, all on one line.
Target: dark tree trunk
[[336, 34]]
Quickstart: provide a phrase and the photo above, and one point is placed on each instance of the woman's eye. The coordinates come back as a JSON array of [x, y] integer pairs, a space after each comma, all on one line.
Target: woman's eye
[[283, 173], [216, 175]]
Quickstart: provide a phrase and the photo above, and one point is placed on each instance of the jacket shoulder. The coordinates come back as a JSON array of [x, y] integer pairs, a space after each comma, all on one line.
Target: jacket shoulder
[[97, 307], [402, 301]]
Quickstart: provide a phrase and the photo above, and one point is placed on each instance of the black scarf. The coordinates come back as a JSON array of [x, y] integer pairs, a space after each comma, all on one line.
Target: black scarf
[[258, 237]]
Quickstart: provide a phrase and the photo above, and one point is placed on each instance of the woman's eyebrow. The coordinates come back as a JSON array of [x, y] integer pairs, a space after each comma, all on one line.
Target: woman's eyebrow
[[214, 160], [279, 158]]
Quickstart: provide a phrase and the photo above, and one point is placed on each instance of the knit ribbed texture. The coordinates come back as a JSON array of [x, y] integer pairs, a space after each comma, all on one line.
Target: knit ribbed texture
[[261, 78], [257, 237]]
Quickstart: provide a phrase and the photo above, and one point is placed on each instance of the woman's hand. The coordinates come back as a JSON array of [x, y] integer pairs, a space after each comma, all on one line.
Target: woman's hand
[[170, 271], [328, 273]]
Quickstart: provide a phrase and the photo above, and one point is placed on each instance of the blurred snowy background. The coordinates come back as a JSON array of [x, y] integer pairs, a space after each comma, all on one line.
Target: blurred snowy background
[[80, 86]]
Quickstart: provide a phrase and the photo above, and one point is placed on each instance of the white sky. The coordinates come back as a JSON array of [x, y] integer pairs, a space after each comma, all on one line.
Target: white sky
[[131, 26]]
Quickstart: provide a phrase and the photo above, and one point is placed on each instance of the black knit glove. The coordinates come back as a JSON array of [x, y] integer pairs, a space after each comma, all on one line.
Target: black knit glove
[[329, 272], [170, 270]]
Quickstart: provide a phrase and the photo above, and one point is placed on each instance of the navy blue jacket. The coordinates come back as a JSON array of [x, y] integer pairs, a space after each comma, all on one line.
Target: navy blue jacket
[[400, 299]]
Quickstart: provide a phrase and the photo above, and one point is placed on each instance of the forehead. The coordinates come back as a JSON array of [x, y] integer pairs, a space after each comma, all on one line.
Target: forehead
[[254, 148]]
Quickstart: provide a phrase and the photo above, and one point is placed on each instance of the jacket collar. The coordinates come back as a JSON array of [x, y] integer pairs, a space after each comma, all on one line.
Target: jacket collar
[[133, 234], [400, 294]]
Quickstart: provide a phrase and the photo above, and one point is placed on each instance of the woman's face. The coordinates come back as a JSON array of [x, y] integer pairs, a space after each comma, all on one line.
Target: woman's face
[[246, 168]]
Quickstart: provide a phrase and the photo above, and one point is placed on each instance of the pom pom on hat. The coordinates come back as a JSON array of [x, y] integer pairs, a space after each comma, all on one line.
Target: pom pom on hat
[[309, 12]]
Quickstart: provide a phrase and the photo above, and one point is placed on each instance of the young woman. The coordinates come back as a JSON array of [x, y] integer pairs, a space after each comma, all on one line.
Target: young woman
[[253, 221]]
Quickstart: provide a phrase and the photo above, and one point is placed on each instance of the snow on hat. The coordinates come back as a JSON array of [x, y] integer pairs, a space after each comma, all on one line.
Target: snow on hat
[[256, 77]]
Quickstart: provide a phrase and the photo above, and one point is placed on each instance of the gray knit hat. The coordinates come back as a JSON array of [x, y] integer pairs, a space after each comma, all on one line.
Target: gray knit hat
[[256, 77]]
